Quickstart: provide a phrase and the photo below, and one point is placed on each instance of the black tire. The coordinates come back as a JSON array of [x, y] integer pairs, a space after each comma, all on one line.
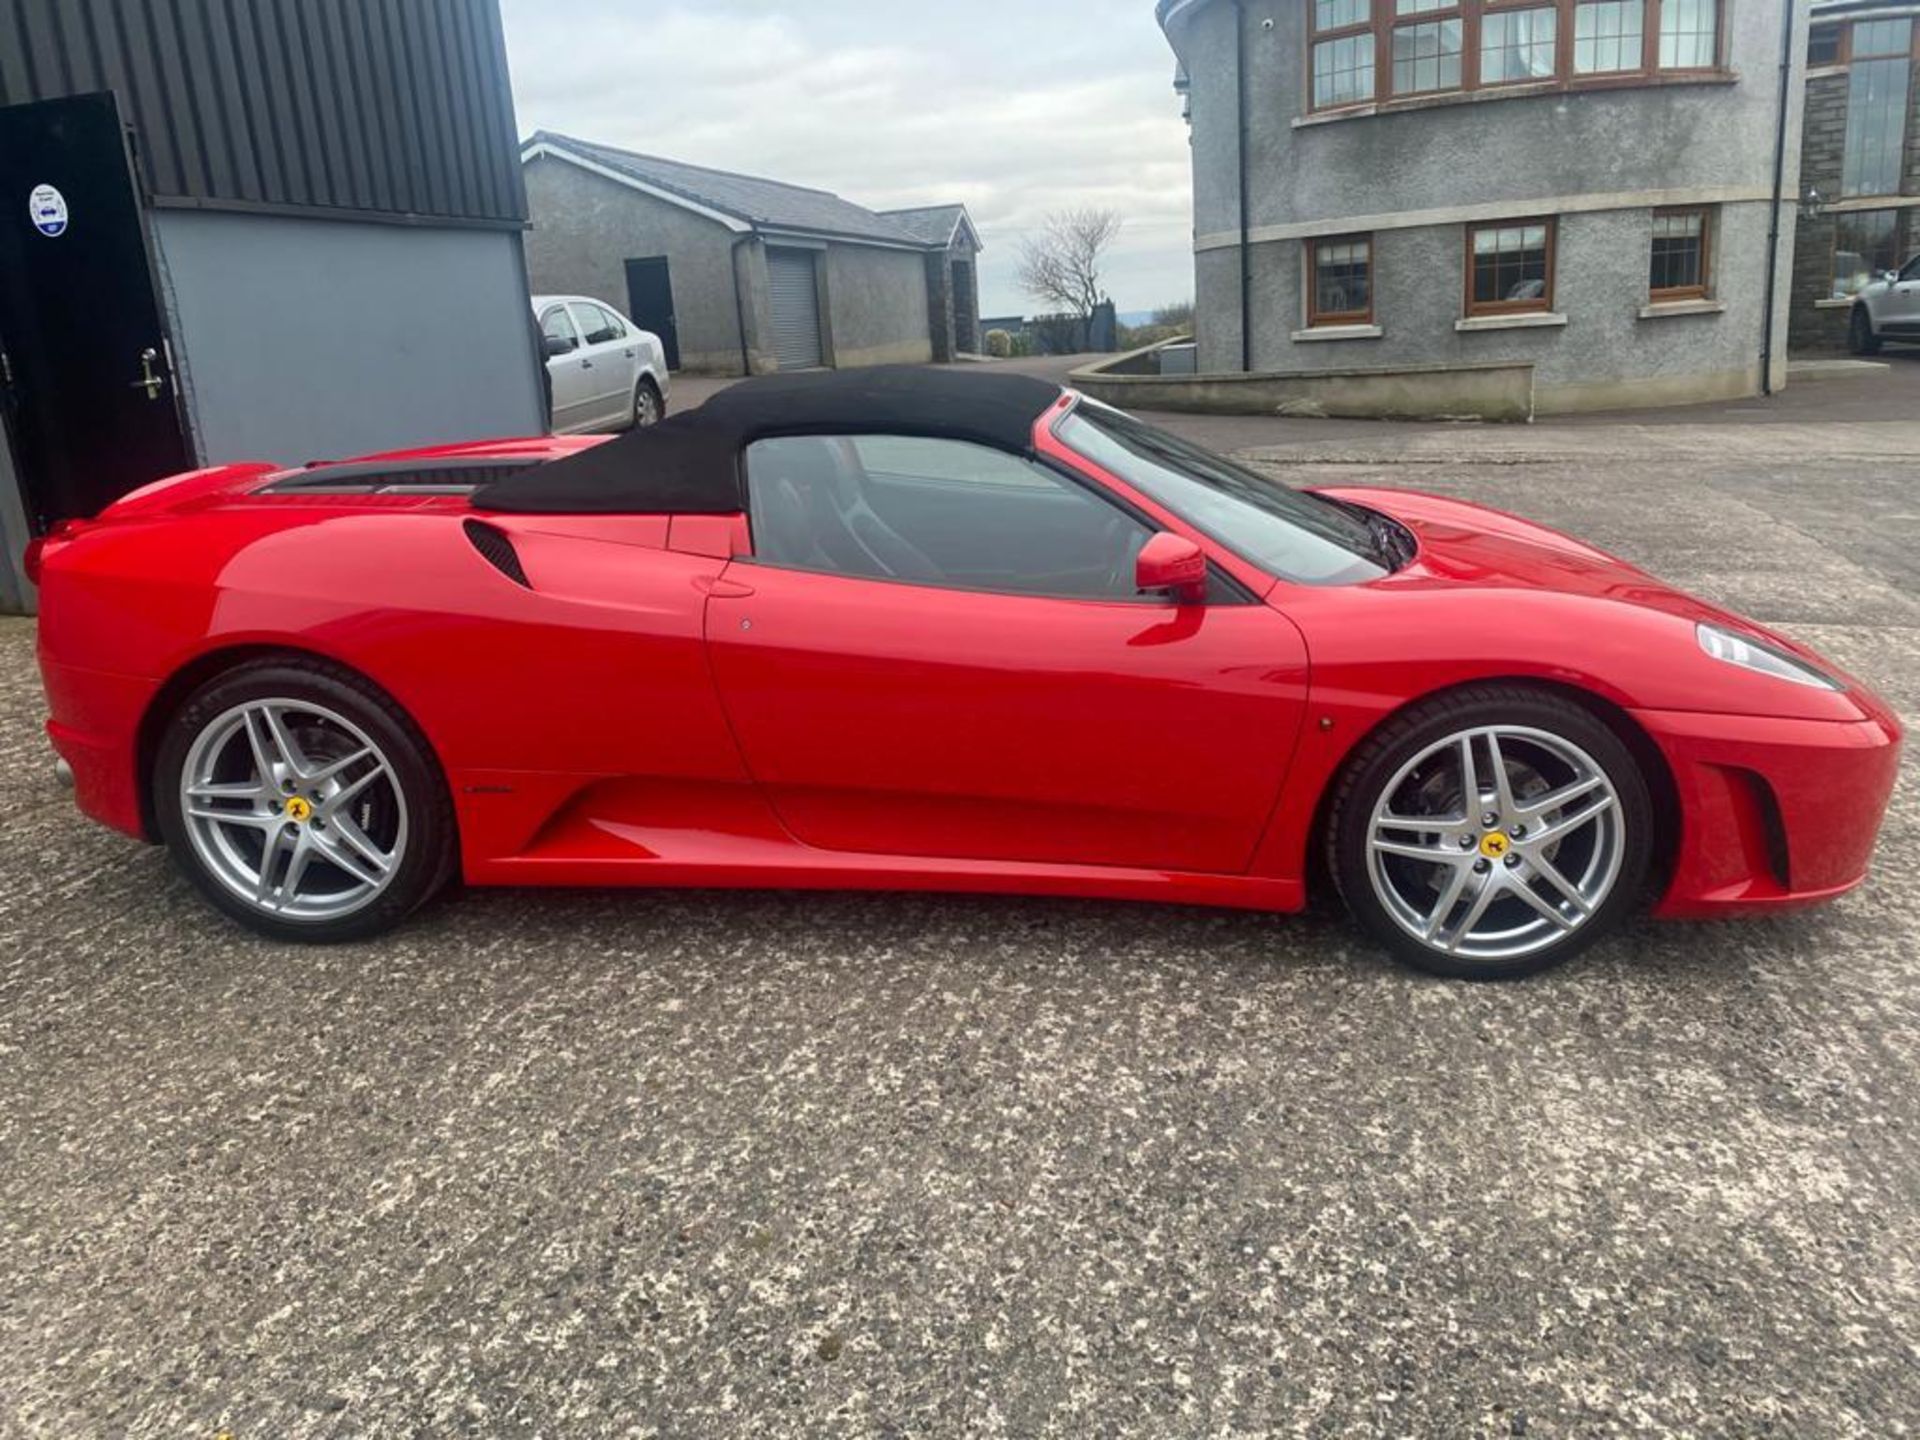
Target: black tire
[[431, 853], [1381, 757], [1860, 337], [647, 395]]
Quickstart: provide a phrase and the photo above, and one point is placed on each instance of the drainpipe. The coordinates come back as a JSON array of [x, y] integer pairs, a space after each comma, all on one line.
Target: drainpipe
[[739, 303], [1246, 259], [1779, 193]]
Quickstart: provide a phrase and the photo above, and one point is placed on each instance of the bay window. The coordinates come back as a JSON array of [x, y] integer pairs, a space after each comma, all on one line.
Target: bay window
[[1366, 51], [1426, 56], [1607, 36], [1518, 45]]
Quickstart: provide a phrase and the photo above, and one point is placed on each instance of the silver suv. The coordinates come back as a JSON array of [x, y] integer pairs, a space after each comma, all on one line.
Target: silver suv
[[1888, 309]]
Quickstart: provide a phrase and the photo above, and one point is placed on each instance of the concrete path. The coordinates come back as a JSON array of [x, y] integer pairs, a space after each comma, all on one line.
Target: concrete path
[[799, 1165]]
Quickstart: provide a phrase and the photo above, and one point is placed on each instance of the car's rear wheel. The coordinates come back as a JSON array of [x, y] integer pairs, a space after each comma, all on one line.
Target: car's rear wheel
[[648, 407], [303, 802], [1860, 337], [1492, 833]]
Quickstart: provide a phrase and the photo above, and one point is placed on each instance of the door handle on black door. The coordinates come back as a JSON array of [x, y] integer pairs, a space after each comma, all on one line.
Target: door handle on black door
[[151, 383]]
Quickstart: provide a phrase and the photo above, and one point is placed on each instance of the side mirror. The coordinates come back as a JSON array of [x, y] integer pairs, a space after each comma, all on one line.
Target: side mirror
[[1173, 565], [557, 345]]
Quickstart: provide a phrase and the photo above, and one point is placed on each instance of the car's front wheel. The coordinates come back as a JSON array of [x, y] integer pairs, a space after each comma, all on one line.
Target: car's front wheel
[[1492, 833], [1860, 337], [303, 802]]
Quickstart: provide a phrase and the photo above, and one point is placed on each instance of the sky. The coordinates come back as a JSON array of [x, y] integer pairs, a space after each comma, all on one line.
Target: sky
[[1014, 107]]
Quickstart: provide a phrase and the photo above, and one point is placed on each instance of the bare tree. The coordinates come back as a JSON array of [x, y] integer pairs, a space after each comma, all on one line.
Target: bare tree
[[1061, 265]]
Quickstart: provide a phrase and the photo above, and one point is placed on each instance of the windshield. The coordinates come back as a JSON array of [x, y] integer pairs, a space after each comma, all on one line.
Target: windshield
[[1295, 536]]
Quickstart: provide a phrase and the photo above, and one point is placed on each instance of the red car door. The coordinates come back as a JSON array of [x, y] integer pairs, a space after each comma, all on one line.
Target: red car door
[[941, 710]]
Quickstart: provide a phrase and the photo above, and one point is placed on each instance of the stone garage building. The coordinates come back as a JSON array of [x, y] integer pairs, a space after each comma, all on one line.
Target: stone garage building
[[736, 274]]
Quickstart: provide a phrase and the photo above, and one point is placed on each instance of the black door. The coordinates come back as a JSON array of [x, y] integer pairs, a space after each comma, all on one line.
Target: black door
[[650, 303], [85, 383]]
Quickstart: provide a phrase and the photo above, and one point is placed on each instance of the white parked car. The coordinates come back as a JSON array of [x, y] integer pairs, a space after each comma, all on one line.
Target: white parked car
[[1888, 309], [606, 372]]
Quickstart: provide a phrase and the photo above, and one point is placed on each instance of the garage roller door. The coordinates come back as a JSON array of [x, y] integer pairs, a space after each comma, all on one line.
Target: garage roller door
[[796, 309]]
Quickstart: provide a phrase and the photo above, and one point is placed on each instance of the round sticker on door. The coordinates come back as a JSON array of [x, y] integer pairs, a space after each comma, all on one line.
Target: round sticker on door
[[49, 210]]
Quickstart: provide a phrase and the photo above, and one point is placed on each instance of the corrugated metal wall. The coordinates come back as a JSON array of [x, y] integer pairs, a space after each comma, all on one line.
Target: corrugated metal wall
[[385, 108]]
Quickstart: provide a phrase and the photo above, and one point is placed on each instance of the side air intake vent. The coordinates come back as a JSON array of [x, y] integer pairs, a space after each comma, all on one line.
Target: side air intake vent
[[496, 548]]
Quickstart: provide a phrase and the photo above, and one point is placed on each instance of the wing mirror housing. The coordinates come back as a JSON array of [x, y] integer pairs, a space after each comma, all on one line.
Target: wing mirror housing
[[1172, 565], [556, 346]]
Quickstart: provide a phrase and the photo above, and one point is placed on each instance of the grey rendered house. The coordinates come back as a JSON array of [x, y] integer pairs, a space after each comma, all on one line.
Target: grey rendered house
[[737, 274], [1601, 190], [1859, 161]]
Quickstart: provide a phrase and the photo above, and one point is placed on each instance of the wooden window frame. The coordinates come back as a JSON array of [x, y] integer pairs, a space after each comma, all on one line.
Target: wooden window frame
[[1382, 20], [1317, 37], [1543, 305], [1848, 54], [1672, 293], [1318, 318]]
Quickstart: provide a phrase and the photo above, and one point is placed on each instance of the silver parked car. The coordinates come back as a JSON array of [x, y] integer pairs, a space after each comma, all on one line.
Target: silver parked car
[[606, 372], [1886, 309]]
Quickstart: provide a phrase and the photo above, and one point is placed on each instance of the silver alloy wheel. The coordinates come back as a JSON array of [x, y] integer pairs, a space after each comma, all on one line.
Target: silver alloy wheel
[[1496, 842], [293, 808], [646, 406]]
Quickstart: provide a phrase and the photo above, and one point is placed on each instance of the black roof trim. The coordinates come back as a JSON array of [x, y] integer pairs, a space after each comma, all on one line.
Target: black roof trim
[[689, 464]]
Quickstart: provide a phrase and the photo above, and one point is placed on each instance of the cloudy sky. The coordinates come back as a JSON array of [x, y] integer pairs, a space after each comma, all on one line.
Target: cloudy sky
[[1016, 107]]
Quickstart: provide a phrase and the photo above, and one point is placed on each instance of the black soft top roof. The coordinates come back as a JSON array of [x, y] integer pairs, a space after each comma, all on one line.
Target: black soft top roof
[[690, 463]]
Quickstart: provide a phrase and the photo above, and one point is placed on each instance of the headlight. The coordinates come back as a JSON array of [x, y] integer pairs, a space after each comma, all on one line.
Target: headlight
[[1757, 655]]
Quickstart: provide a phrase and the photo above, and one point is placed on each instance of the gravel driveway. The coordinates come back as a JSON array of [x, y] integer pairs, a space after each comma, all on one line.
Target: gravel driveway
[[712, 1165]]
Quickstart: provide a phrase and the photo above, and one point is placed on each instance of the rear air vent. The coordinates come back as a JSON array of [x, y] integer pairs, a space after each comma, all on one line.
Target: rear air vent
[[441, 476], [496, 548]]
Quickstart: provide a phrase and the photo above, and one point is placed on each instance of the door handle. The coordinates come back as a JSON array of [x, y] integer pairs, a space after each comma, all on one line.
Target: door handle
[[586, 364], [151, 383]]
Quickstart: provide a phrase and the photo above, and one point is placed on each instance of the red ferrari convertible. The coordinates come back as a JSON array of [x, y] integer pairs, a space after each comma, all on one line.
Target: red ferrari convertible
[[907, 629]]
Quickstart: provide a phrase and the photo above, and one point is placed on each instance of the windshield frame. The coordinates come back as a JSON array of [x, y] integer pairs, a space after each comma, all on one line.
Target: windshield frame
[[1370, 553]]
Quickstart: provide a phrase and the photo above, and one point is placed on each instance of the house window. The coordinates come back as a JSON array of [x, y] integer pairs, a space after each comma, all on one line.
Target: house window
[[1426, 57], [1510, 267], [1824, 45], [1607, 36], [1679, 261], [1338, 14], [1343, 71], [1866, 243], [1340, 281], [1518, 45], [1877, 107], [1367, 50], [1689, 38], [1344, 51]]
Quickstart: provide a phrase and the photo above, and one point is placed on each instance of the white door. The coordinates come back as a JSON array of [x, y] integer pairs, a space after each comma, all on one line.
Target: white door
[[572, 389], [611, 363], [796, 308]]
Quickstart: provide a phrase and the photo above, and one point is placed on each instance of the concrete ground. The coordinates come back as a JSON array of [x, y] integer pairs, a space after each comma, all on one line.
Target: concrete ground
[[784, 1165]]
